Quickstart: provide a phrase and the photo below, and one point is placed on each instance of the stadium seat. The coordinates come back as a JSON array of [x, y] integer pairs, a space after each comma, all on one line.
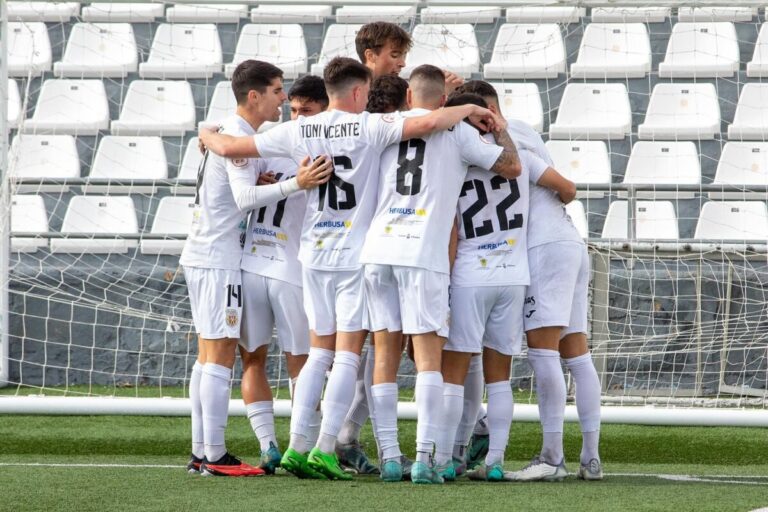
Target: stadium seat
[[742, 164], [583, 162], [460, 14], [681, 111], [14, 105], [654, 220], [206, 13], [527, 51], [630, 14], [718, 13], [593, 111], [701, 50], [122, 12], [191, 161], [223, 103], [758, 67], [77, 107], [278, 13], [173, 217], [44, 156], [663, 163], [280, 44], [339, 41], [545, 14], [521, 101], [28, 215], [156, 107], [575, 210], [97, 50], [29, 49], [733, 220], [401, 14], [121, 159], [450, 47], [98, 216], [751, 119], [51, 12], [183, 51], [613, 50]]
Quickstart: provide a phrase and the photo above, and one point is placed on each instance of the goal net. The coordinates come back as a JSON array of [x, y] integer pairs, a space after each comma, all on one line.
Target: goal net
[[659, 114]]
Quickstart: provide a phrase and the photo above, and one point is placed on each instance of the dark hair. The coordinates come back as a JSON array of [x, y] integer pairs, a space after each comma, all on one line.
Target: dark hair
[[387, 94], [310, 87], [375, 35], [479, 87], [465, 98], [252, 75], [428, 72], [341, 72]]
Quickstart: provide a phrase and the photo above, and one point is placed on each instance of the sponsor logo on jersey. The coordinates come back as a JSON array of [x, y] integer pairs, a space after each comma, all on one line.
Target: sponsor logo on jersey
[[239, 162], [483, 262], [421, 212], [530, 300], [333, 224], [530, 313], [388, 118], [232, 316], [387, 229]]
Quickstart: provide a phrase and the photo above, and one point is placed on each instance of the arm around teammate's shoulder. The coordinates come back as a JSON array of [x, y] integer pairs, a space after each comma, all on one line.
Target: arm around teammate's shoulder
[[508, 164], [227, 145], [442, 119], [555, 181]]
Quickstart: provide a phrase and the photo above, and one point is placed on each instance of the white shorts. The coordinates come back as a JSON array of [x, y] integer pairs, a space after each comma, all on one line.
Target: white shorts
[[216, 298], [558, 293], [487, 316], [334, 300], [269, 303], [408, 299]]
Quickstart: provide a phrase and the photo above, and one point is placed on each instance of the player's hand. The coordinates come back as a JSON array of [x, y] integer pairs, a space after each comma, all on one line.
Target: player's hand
[[314, 173], [452, 81], [499, 123], [204, 131], [481, 118], [266, 178]]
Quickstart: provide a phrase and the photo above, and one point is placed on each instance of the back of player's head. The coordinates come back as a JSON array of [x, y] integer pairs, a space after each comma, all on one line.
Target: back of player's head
[[481, 88], [387, 94], [342, 73], [309, 88], [427, 82], [373, 36], [252, 75], [465, 98]]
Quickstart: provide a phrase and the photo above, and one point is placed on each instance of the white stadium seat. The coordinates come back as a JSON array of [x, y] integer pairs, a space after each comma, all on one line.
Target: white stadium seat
[[701, 50], [751, 119], [97, 50], [339, 41], [29, 49], [716, 13], [122, 12], [183, 51], [121, 158], [28, 215], [758, 66], [156, 107], [583, 162], [630, 14], [545, 14], [527, 51], [613, 50], [663, 163], [575, 210], [742, 164], [206, 13], [191, 161], [77, 107], [654, 220], [681, 111], [367, 13], [450, 47], [593, 111], [223, 103], [52, 12], [733, 220], [173, 217], [278, 13], [280, 44], [460, 14], [521, 101], [44, 156], [14, 104], [98, 215]]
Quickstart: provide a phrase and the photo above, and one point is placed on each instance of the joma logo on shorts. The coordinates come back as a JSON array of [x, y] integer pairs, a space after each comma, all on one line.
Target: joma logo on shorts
[[530, 300]]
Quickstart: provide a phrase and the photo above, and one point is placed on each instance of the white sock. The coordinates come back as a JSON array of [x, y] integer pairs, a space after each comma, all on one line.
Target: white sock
[[358, 411], [473, 399], [198, 440], [214, 396], [587, 404], [313, 429], [384, 401], [481, 424], [291, 386], [338, 397], [262, 418], [500, 408], [550, 389], [306, 396], [367, 383], [453, 403], [429, 407]]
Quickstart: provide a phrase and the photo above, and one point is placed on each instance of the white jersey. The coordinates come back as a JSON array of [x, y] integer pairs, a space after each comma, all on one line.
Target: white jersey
[[493, 217], [216, 235], [419, 186], [338, 213], [272, 240], [526, 137]]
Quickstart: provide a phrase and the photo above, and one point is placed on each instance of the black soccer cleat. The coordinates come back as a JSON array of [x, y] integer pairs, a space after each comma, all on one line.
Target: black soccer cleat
[[193, 466]]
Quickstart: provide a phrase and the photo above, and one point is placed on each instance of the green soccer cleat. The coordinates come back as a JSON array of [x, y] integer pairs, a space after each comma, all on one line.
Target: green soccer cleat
[[423, 474], [270, 459], [296, 463], [492, 473], [392, 471], [327, 464], [447, 471], [477, 450], [459, 466], [353, 456]]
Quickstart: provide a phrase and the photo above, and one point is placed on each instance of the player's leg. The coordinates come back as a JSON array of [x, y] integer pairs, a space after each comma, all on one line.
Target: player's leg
[[455, 365], [198, 437], [471, 443]]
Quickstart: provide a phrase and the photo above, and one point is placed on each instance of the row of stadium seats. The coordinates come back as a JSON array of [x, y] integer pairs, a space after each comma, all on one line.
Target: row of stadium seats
[[608, 50], [102, 217]]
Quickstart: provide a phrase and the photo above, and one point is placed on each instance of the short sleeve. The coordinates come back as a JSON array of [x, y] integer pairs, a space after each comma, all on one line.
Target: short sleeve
[[281, 140], [533, 164], [476, 149], [383, 130]]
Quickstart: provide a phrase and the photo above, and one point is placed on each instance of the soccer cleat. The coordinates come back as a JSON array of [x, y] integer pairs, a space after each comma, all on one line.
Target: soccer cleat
[[492, 473], [353, 456], [538, 470], [447, 471], [296, 463], [327, 464], [392, 471], [229, 465], [593, 470], [193, 466], [270, 459], [423, 474], [477, 450], [459, 466], [407, 467]]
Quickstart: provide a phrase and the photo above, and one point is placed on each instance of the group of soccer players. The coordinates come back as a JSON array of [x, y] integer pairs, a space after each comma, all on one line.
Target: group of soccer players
[[412, 211]]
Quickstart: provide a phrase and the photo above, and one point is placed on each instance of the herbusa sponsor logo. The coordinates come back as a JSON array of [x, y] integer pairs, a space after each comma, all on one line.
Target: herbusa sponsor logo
[[269, 233], [495, 245], [421, 212], [334, 224]]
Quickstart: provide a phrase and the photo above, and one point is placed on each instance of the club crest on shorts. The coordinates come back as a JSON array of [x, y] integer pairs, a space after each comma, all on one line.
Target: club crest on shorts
[[239, 162], [231, 316]]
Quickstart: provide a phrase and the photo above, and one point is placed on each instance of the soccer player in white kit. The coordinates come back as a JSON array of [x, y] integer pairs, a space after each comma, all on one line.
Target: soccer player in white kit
[[336, 220], [211, 260], [407, 264]]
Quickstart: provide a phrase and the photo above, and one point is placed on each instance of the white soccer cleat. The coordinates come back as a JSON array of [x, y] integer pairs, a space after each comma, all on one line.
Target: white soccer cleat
[[593, 470], [538, 470]]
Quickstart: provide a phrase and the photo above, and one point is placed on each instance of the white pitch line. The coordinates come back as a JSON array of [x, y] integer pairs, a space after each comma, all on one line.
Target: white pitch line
[[68, 465]]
